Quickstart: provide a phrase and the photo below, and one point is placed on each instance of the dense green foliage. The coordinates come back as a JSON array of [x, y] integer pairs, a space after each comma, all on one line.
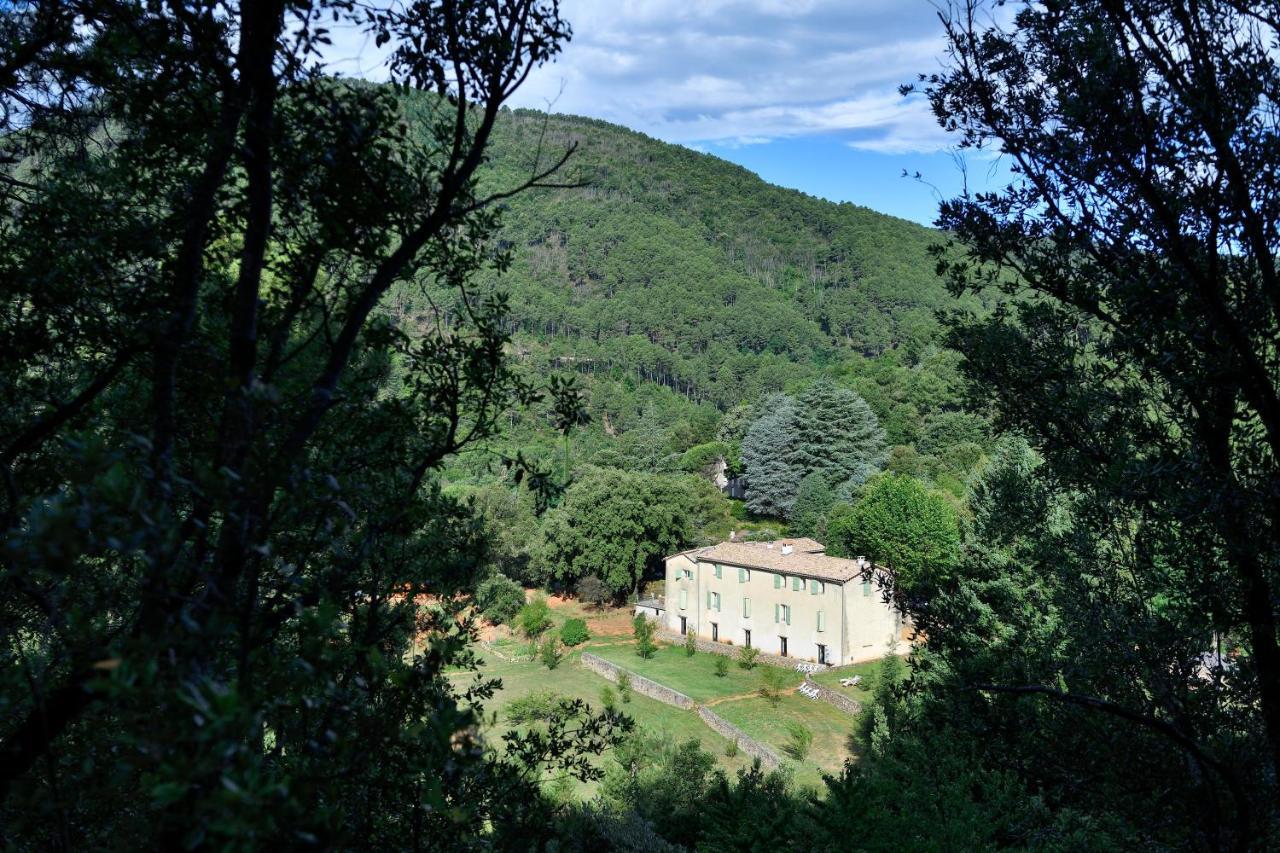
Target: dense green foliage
[[900, 525], [574, 632], [616, 525], [499, 598], [823, 442]]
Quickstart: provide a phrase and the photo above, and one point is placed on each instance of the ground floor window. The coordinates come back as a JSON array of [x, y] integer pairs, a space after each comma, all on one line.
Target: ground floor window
[[684, 625], [746, 638], [715, 632], [782, 646]]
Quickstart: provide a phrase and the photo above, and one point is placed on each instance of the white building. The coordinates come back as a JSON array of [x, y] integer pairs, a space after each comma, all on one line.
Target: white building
[[785, 597]]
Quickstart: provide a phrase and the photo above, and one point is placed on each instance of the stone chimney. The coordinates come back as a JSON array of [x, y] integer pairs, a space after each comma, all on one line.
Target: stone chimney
[[733, 535]]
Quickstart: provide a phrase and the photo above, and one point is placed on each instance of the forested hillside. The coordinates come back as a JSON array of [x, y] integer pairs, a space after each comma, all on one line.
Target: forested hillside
[[678, 286]]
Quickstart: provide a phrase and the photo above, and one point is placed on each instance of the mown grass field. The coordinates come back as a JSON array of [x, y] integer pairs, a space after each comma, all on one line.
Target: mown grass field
[[694, 676], [767, 722], [572, 681], [733, 696]]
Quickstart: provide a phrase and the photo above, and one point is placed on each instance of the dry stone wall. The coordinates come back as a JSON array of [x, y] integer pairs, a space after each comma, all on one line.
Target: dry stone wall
[[640, 684], [834, 697], [746, 743], [654, 690]]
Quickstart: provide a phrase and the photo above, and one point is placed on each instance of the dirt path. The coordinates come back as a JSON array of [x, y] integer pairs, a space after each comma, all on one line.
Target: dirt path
[[786, 691]]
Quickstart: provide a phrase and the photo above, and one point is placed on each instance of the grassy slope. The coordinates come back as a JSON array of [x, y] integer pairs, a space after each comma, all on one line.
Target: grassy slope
[[693, 676]]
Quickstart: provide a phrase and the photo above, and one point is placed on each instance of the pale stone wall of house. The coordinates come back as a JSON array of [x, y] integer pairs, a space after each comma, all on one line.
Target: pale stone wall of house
[[873, 628]]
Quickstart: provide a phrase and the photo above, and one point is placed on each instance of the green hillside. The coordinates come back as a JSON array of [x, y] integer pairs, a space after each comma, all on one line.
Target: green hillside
[[679, 285]]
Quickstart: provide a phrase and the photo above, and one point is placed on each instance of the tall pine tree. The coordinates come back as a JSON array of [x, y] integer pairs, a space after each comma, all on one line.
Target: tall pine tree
[[837, 436], [768, 452]]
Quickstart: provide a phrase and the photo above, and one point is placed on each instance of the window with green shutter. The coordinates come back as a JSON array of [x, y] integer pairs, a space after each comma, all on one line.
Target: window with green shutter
[[796, 584], [822, 620], [777, 613], [715, 596], [777, 581], [744, 575], [815, 587], [718, 570], [786, 613], [746, 608]]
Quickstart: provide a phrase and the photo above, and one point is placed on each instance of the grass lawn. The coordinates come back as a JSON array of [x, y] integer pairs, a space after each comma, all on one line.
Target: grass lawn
[[767, 723], [869, 671], [572, 681], [694, 676]]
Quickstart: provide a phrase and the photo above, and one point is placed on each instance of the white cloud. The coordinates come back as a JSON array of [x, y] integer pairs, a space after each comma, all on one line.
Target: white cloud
[[734, 72], [725, 71]]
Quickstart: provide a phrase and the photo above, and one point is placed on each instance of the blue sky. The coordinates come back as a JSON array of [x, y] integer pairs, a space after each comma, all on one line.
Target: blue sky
[[802, 92]]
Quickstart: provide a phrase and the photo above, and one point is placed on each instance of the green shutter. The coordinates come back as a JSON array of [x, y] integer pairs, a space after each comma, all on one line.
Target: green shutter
[[708, 599], [777, 581], [786, 613], [717, 601], [746, 608], [866, 587], [777, 611], [718, 570], [815, 587], [742, 575], [796, 583], [822, 620]]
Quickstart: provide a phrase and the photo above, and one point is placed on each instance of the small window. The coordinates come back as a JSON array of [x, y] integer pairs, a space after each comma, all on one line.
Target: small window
[[744, 575], [715, 601], [822, 620], [786, 613], [778, 581], [797, 584], [718, 570], [746, 608], [746, 638], [815, 587], [684, 598]]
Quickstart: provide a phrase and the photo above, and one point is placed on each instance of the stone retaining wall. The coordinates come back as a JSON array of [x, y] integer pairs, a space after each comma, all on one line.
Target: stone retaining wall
[[727, 650], [836, 698], [768, 758], [640, 684], [654, 690]]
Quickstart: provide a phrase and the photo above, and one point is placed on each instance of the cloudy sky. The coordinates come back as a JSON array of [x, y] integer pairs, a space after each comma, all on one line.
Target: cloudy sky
[[803, 92]]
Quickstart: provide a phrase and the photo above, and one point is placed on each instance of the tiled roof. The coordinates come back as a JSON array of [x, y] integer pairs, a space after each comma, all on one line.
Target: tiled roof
[[806, 558]]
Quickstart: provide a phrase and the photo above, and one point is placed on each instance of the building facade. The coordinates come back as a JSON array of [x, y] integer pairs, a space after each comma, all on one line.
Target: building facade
[[786, 597]]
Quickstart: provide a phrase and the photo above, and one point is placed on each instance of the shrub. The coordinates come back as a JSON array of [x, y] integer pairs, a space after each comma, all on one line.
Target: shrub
[[550, 653], [574, 632], [690, 644], [799, 739], [747, 657], [534, 618], [771, 685], [624, 687], [722, 666], [536, 706], [608, 698], [593, 591], [731, 749], [642, 628], [499, 598]]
